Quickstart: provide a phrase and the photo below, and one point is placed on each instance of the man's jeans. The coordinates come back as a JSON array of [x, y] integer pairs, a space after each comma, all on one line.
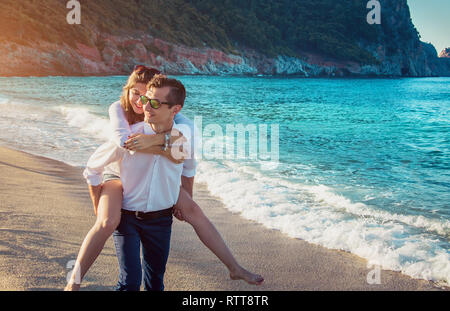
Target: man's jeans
[[154, 234]]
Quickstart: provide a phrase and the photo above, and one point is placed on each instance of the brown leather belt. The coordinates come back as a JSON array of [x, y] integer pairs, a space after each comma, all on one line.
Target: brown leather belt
[[149, 215]]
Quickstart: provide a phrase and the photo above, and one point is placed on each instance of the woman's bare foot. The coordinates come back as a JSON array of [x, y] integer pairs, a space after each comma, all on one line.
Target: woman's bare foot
[[247, 276], [72, 287]]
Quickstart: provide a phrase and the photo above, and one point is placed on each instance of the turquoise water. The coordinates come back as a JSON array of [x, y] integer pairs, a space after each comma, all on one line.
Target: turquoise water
[[364, 164], [362, 137]]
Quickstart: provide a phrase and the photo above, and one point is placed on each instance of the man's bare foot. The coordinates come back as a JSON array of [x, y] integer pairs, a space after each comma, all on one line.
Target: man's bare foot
[[72, 287], [247, 276]]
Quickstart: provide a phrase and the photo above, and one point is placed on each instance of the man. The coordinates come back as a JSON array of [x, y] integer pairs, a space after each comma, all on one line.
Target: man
[[151, 185]]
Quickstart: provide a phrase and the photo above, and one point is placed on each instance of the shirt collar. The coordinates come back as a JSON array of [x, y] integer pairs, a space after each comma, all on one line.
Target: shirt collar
[[149, 131]]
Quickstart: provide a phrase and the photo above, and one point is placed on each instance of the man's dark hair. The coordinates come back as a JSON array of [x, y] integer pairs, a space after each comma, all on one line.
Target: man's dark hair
[[177, 93]]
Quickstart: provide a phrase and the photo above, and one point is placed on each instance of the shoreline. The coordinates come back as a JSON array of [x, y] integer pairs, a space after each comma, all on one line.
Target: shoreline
[[293, 76], [51, 200]]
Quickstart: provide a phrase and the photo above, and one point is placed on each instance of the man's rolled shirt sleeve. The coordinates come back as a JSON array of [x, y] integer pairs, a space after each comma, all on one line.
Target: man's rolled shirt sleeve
[[187, 127], [190, 168], [189, 164], [119, 125], [104, 155]]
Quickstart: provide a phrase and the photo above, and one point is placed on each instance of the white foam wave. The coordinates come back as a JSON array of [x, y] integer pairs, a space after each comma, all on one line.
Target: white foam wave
[[326, 195], [87, 122], [66, 134], [318, 215]]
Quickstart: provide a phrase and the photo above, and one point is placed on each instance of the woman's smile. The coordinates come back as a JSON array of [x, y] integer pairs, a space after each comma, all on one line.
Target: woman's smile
[[138, 104]]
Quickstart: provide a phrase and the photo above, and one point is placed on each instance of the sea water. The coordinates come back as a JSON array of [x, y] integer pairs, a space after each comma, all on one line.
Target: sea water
[[363, 165]]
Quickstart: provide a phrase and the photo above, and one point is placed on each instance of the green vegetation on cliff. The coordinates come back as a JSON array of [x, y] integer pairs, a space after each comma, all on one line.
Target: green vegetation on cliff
[[281, 27], [288, 26]]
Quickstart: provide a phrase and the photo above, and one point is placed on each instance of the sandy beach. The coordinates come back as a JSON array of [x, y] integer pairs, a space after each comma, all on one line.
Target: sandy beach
[[45, 212]]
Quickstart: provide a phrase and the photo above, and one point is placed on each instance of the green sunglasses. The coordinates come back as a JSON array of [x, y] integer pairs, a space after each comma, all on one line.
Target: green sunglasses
[[154, 103]]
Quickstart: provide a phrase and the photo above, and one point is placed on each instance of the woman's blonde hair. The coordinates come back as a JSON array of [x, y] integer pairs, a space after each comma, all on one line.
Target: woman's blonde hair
[[141, 74]]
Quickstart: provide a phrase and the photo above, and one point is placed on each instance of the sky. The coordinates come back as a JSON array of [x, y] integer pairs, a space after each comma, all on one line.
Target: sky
[[432, 20]]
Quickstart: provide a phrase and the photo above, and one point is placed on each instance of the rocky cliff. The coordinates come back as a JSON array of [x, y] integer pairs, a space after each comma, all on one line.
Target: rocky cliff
[[445, 53], [444, 62], [396, 47]]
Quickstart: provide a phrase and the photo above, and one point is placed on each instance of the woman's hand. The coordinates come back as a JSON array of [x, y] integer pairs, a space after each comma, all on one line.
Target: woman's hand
[[139, 141], [177, 213]]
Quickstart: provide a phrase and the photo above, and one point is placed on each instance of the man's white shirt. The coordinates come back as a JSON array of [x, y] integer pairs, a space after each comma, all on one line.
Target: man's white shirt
[[150, 182]]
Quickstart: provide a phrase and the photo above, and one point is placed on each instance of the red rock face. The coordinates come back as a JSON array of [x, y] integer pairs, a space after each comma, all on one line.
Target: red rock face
[[117, 55], [162, 46], [88, 52], [198, 57], [320, 60], [111, 55], [220, 57]]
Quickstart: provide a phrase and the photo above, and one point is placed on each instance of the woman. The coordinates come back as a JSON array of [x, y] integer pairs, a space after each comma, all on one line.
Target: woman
[[108, 209]]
